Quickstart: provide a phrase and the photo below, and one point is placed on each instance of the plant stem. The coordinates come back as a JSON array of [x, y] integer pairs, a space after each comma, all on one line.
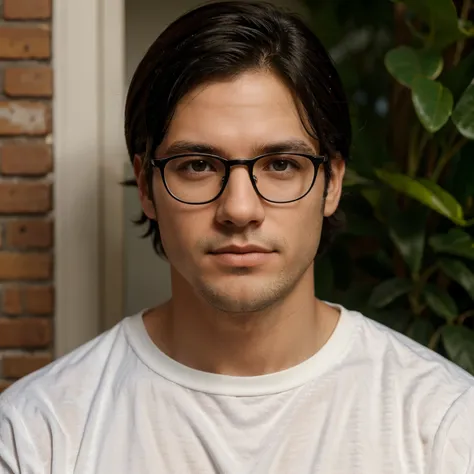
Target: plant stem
[[413, 152], [466, 7], [445, 159], [431, 36], [434, 339], [420, 282], [453, 135], [415, 306], [424, 140], [427, 273]]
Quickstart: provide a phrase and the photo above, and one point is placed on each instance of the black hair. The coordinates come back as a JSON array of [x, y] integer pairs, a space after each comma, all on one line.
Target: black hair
[[221, 40]]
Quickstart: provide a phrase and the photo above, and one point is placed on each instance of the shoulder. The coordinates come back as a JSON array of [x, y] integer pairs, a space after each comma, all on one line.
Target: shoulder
[[408, 373], [53, 403], [70, 380], [408, 359], [425, 389]]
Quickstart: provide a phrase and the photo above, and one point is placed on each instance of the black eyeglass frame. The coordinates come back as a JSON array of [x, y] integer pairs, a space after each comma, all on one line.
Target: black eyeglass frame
[[160, 163]]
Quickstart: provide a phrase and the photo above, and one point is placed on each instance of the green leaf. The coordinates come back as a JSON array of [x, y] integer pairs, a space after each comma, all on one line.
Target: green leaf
[[460, 76], [458, 342], [421, 331], [440, 302], [407, 232], [426, 192], [455, 242], [450, 203], [433, 103], [405, 63], [463, 114], [352, 178], [459, 272], [388, 291], [430, 63], [441, 15], [466, 27]]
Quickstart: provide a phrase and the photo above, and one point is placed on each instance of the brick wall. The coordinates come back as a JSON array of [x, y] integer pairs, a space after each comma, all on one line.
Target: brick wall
[[26, 166]]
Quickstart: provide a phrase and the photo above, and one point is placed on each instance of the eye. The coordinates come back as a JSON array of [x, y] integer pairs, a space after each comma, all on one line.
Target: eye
[[281, 164], [199, 166], [196, 166]]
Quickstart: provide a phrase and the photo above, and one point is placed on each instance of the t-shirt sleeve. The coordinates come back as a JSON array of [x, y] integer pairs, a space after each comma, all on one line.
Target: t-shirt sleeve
[[453, 449], [17, 452]]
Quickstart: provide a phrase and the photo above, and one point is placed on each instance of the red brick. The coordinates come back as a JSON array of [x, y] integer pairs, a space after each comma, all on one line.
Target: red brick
[[25, 266], [4, 385], [27, 234], [25, 197], [17, 366], [38, 299], [25, 118], [25, 43], [27, 9], [29, 81], [11, 300], [25, 332], [26, 160]]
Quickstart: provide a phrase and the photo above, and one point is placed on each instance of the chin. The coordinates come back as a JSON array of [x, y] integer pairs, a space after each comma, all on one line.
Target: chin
[[243, 296]]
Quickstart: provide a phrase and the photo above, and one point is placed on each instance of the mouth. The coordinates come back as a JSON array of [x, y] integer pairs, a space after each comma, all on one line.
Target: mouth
[[242, 256], [244, 249]]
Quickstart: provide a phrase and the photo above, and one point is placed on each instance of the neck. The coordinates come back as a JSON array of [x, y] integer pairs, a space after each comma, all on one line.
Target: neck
[[188, 330]]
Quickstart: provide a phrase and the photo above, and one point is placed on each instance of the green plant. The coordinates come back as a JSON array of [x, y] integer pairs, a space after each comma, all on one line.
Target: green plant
[[410, 197]]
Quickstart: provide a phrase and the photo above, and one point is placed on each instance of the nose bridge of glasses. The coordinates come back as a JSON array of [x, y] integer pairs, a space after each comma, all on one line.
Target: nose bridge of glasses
[[245, 165], [241, 162], [239, 170]]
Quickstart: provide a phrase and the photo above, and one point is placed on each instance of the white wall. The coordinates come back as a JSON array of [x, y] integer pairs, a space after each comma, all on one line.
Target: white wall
[[146, 275]]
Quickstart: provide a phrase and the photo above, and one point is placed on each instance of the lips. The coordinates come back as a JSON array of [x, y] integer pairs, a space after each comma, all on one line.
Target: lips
[[242, 256], [236, 249]]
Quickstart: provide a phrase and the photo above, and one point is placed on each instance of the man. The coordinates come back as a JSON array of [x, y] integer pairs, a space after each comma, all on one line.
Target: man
[[238, 131]]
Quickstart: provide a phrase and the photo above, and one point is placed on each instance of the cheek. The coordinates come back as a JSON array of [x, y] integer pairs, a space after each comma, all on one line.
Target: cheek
[[305, 228], [169, 223], [180, 228]]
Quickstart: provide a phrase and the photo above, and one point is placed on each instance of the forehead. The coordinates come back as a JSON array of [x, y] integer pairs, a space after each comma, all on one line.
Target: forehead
[[247, 111]]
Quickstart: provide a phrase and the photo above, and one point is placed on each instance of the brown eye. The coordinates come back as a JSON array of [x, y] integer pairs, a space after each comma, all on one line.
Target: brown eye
[[194, 166], [199, 166], [280, 165]]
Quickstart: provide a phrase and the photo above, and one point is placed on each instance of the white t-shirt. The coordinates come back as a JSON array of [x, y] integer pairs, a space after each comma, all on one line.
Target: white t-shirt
[[371, 401]]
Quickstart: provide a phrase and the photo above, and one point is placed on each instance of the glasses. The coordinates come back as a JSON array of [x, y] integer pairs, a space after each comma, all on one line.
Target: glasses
[[200, 178]]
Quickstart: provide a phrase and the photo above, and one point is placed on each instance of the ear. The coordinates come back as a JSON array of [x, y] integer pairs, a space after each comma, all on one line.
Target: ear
[[334, 191], [143, 191]]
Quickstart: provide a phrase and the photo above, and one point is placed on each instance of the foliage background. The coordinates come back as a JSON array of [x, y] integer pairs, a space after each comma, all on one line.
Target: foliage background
[[406, 257]]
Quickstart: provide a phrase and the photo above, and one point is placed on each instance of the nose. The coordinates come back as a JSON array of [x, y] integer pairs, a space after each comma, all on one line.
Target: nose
[[239, 205]]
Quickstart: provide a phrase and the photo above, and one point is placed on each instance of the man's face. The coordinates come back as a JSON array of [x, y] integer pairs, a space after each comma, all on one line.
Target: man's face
[[240, 117]]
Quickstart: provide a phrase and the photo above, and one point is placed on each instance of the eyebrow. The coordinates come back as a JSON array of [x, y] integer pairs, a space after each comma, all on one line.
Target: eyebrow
[[295, 145]]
